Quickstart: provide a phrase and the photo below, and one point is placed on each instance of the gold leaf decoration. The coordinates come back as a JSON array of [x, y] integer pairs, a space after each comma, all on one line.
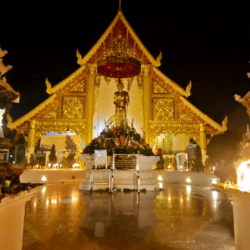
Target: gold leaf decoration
[[52, 113], [158, 89], [163, 109], [60, 126], [190, 128], [79, 87], [184, 117], [73, 107]]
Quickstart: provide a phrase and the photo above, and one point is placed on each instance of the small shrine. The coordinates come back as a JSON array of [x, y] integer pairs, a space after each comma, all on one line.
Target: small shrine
[[84, 102]]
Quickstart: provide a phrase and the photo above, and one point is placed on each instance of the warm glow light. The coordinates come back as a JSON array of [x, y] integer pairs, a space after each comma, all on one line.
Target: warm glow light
[[187, 169], [37, 165], [188, 188], [188, 198], [181, 199], [169, 198], [215, 195], [160, 185], [74, 199], [243, 176], [232, 202], [49, 165], [214, 182], [44, 188], [188, 180], [34, 204], [44, 178], [76, 165], [213, 168], [160, 178], [47, 202], [55, 165], [169, 167], [60, 165]]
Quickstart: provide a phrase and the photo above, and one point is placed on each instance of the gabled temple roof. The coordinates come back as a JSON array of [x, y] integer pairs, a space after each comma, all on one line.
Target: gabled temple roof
[[120, 24]]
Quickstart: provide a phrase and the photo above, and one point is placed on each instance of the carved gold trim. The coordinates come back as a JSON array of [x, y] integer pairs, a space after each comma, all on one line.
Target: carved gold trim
[[163, 108], [53, 113], [204, 117], [60, 125], [79, 87], [67, 80], [32, 113], [73, 107], [183, 116], [83, 60], [167, 80], [157, 88], [190, 128]]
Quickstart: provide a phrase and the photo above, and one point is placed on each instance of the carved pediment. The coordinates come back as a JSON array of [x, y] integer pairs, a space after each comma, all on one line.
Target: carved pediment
[[158, 89], [52, 114], [163, 109], [73, 107], [79, 87], [183, 116]]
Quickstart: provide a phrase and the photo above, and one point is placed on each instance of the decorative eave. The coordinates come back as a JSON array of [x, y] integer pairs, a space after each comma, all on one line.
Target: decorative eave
[[167, 81], [30, 115], [100, 44], [220, 129], [50, 90]]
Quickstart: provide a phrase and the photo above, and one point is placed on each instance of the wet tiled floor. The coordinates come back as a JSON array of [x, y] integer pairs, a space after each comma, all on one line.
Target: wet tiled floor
[[178, 217]]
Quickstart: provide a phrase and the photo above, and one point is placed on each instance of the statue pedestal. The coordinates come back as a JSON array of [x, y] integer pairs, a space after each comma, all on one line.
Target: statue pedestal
[[123, 178], [241, 204]]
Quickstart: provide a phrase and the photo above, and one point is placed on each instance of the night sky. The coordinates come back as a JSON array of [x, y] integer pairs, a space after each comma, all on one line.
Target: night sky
[[203, 41]]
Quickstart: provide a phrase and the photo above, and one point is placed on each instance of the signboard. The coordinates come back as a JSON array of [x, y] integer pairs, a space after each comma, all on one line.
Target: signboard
[[125, 161]]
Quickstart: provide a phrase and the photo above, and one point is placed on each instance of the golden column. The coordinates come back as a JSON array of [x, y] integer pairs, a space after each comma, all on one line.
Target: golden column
[[146, 100], [90, 102], [203, 142], [31, 137]]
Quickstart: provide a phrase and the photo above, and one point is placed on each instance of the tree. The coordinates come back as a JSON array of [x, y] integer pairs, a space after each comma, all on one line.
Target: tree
[[198, 159], [52, 156]]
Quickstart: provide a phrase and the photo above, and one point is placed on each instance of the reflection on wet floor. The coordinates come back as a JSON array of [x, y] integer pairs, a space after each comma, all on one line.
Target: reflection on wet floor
[[178, 217]]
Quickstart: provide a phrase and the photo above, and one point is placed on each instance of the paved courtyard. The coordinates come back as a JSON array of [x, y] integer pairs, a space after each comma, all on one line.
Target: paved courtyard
[[178, 217]]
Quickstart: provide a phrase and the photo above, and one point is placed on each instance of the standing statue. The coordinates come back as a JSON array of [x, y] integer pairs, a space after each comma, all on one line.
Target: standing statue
[[121, 101]]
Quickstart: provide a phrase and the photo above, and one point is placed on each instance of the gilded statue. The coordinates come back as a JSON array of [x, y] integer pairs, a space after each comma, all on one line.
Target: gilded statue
[[121, 101]]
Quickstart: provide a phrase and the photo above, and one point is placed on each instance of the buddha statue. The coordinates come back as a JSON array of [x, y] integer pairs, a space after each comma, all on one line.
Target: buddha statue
[[121, 101]]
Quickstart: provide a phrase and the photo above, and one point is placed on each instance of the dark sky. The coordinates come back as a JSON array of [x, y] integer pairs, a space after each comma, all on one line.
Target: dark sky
[[207, 42]]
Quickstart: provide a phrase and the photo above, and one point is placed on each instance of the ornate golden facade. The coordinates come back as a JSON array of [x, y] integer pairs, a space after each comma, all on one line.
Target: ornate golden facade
[[72, 102]]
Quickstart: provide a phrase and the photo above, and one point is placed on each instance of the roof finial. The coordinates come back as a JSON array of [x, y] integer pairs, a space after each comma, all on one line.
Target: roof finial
[[120, 6]]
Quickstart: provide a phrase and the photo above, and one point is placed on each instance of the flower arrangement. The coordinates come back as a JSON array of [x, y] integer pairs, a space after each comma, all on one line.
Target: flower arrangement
[[125, 139]]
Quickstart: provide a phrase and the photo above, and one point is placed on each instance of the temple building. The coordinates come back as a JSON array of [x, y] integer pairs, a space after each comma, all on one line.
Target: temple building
[[83, 102]]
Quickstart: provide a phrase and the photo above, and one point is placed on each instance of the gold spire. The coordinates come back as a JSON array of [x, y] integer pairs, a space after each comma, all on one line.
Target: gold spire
[[120, 6]]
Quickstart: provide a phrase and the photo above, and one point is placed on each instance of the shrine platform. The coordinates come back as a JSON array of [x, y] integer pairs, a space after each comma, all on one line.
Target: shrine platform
[[52, 175]]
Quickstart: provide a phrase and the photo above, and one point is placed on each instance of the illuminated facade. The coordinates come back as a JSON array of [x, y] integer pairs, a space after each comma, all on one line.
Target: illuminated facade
[[83, 101]]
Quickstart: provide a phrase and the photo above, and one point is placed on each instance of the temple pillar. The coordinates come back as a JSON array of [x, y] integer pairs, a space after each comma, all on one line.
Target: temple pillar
[[31, 139], [203, 142], [90, 103], [146, 101]]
